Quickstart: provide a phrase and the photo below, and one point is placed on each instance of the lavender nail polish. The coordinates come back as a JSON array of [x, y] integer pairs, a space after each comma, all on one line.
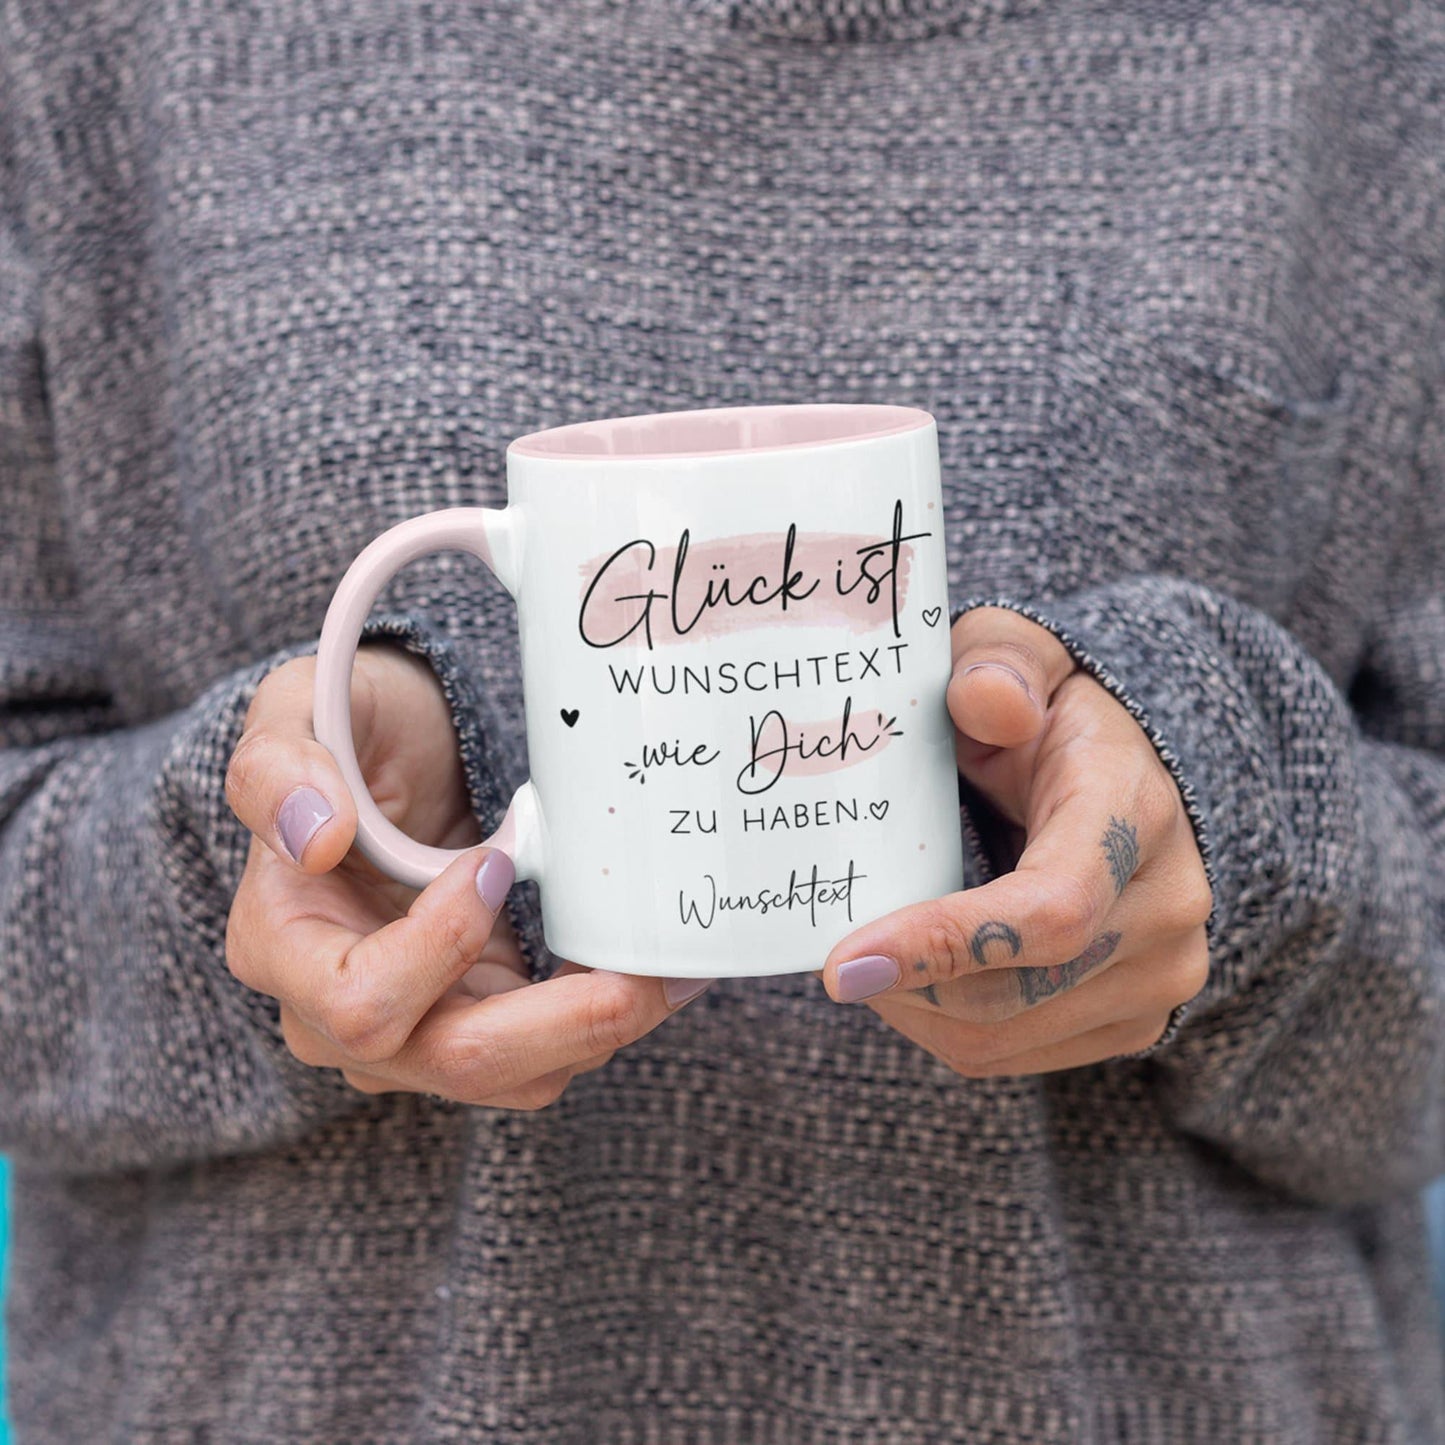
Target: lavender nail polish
[[495, 878], [861, 978], [299, 817], [678, 991]]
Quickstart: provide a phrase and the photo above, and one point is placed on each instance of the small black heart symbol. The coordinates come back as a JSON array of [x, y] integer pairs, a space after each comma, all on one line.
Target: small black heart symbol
[[879, 810], [931, 615], [570, 716]]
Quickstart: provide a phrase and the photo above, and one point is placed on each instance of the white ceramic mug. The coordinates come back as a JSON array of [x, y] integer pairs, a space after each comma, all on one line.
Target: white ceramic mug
[[735, 647]]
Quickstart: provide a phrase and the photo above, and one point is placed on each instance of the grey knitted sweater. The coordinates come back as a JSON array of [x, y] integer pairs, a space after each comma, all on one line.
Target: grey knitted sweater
[[1169, 273]]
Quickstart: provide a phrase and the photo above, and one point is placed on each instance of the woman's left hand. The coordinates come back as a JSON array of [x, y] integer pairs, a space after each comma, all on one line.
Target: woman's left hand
[[1083, 951]]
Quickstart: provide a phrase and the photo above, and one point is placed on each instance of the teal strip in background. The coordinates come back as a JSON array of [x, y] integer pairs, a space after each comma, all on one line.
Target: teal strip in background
[[1435, 1205], [4, 1208]]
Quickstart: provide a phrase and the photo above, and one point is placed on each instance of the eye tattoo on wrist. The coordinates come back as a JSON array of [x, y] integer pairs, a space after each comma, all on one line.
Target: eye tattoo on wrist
[[994, 932], [1036, 984], [1121, 847]]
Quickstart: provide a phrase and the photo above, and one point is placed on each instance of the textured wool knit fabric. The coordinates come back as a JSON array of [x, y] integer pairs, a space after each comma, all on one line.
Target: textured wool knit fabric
[[1169, 273]]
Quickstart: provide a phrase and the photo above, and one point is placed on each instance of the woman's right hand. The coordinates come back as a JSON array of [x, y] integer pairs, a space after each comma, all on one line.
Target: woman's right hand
[[422, 992]]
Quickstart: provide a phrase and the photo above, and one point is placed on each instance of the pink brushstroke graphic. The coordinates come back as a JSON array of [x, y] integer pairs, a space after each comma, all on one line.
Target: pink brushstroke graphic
[[640, 596], [780, 748]]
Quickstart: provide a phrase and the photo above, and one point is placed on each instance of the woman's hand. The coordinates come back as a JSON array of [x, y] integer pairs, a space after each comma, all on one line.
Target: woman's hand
[[1083, 951], [422, 992]]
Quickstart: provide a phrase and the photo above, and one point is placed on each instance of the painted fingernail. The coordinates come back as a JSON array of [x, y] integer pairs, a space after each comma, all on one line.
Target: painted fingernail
[[1013, 674], [495, 878], [861, 978], [678, 991], [298, 818]]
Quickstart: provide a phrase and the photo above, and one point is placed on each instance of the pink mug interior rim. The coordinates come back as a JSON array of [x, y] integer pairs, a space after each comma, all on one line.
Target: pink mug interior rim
[[720, 431]]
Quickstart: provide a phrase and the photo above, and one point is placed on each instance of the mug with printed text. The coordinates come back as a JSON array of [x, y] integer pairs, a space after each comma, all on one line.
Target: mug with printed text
[[734, 635]]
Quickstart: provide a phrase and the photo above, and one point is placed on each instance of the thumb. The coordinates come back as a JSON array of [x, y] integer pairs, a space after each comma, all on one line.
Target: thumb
[[1005, 671], [283, 784]]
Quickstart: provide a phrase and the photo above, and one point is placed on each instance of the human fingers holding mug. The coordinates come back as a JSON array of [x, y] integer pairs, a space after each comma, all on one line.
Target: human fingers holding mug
[[399, 989]]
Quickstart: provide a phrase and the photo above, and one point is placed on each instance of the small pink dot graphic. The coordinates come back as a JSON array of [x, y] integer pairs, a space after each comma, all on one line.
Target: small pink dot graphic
[[612, 810], [921, 847], [912, 702], [930, 506], [606, 871]]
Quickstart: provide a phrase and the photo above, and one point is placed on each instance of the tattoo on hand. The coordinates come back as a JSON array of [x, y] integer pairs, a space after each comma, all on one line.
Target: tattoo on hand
[[1036, 984], [928, 991], [994, 932], [1121, 847]]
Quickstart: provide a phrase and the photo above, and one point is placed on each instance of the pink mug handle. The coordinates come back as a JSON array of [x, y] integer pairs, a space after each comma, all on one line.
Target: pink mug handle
[[494, 536]]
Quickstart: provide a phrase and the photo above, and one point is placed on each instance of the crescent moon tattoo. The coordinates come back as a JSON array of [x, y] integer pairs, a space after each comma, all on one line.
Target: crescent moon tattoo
[[994, 932]]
